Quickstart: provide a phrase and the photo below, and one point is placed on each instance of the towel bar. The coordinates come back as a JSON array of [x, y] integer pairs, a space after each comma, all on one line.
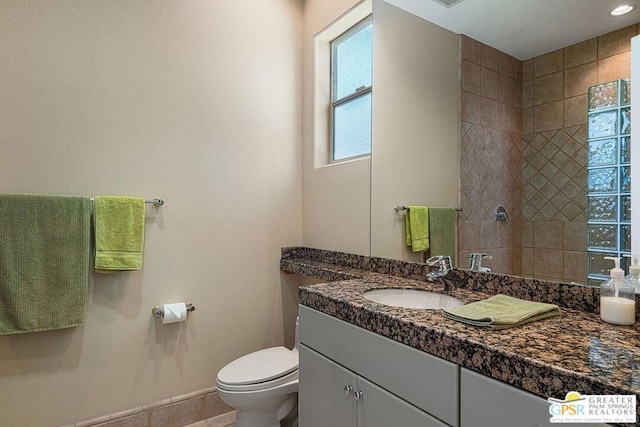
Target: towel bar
[[155, 202], [406, 208]]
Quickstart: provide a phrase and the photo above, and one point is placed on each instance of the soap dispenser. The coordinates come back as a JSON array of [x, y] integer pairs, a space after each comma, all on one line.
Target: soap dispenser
[[634, 273], [617, 298]]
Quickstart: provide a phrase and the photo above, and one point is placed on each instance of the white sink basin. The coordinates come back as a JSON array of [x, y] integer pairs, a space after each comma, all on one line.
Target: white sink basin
[[412, 298]]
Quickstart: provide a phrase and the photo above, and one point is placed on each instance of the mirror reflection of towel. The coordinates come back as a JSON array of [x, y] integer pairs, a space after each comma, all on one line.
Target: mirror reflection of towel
[[442, 232], [416, 224]]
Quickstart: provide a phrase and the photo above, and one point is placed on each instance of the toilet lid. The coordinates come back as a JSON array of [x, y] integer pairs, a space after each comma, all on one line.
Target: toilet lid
[[259, 366]]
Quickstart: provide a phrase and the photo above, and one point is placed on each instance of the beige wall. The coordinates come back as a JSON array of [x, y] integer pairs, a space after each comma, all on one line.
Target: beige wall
[[339, 211], [195, 102], [336, 198], [415, 123]]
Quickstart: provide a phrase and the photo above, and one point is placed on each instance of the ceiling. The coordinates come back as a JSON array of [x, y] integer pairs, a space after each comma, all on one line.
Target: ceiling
[[524, 28]]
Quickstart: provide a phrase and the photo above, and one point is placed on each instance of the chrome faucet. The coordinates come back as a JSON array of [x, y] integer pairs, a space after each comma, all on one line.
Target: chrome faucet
[[443, 263], [475, 261]]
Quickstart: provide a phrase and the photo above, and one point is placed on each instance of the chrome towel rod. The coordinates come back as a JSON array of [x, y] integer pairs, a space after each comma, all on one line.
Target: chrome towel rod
[[155, 202], [406, 208]]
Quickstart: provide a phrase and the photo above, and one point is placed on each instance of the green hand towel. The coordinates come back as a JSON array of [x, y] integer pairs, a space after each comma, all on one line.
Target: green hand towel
[[442, 232], [501, 312], [416, 224], [44, 262], [119, 233]]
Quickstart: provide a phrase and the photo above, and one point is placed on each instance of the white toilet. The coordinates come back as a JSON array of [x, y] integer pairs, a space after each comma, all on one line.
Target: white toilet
[[262, 386]]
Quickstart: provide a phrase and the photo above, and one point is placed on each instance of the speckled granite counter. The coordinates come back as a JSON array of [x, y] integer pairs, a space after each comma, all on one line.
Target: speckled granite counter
[[575, 351]]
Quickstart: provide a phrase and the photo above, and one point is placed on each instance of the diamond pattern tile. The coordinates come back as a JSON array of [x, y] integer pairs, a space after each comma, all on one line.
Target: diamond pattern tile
[[491, 173], [553, 175]]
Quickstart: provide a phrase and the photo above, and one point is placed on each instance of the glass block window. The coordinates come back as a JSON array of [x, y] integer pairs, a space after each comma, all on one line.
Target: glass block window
[[608, 177], [351, 75]]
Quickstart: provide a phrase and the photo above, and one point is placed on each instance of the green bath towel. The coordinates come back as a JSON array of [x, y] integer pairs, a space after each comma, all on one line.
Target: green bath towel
[[442, 232], [119, 233], [416, 224], [44, 262], [501, 312]]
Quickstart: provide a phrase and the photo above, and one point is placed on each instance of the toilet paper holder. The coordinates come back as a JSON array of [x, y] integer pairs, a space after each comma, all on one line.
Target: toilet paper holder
[[159, 312]]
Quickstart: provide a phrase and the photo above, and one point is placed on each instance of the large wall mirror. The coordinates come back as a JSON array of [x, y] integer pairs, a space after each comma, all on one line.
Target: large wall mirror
[[458, 122]]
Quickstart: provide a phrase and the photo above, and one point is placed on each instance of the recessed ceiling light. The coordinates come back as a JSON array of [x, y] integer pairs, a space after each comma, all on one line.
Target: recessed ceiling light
[[448, 3], [622, 10]]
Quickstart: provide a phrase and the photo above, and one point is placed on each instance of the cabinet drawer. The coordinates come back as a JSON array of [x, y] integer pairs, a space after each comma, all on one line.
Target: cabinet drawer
[[426, 381]]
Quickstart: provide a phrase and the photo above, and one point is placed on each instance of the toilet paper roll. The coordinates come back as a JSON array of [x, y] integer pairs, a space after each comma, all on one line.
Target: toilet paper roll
[[176, 312]]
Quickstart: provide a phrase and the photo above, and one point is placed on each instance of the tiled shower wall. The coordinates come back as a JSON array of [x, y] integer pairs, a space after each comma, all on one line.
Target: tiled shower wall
[[524, 146], [490, 157], [554, 124]]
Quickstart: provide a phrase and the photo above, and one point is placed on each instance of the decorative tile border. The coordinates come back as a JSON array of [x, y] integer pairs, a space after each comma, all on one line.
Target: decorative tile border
[[177, 411]]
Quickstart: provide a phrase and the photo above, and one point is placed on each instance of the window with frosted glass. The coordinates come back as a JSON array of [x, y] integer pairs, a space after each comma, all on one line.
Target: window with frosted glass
[[351, 65], [608, 176]]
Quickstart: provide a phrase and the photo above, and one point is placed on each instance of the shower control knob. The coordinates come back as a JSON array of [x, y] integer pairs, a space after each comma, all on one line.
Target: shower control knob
[[348, 389]]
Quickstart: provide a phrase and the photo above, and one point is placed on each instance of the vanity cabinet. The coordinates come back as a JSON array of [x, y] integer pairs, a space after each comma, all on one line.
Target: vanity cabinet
[[391, 383], [331, 395], [353, 377], [485, 402]]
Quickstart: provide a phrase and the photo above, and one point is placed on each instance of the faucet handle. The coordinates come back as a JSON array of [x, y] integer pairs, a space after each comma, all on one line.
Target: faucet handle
[[475, 260], [443, 261], [479, 255], [501, 214]]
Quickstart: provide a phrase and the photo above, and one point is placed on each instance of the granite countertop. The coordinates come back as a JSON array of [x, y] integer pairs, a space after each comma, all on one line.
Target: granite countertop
[[575, 351]]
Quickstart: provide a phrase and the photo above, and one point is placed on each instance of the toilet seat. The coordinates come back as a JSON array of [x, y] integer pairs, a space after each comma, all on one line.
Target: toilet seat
[[259, 370], [287, 379]]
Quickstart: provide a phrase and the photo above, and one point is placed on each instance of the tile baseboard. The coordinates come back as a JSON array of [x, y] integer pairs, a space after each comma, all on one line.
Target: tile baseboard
[[177, 411]]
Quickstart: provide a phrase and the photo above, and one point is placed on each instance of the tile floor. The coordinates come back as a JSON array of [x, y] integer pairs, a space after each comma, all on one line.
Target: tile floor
[[224, 420]]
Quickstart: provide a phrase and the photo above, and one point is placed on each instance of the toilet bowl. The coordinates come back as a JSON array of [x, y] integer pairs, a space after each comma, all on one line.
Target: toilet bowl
[[262, 386]]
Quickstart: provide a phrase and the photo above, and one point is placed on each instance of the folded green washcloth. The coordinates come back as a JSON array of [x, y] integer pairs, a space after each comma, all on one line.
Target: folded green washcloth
[[119, 233], [416, 224], [501, 312], [44, 262]]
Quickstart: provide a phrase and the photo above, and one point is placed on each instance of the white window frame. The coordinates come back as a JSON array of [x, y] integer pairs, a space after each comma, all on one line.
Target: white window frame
[[323, 138], [357, 93]]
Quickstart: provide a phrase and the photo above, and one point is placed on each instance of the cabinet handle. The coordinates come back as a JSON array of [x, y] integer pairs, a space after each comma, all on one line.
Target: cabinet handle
[[348, 389], [357, 394]]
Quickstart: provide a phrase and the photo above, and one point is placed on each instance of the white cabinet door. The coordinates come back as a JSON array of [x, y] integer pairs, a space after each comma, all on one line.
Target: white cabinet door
[[485, 402], [379, 408], [322, 401], [425, 381]]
